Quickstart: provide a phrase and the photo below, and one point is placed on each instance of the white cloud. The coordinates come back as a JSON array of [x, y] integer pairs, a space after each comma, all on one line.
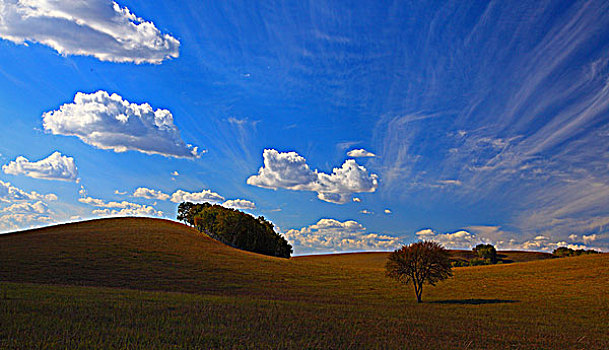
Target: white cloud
[[424, 233], [289, 170], [144, 210], [13, 222], [573, 237], [123, 208], [203, 196], [175, 173], [144, 192], [450, 182], [54, 167], [589, 238], [99, 28], [366, 211], [109, 122], [27, 208], [239, 204], [10, 193], [22, 215], [460, 239], [330, 235], [387, 211], [357, 200], [356, 153]]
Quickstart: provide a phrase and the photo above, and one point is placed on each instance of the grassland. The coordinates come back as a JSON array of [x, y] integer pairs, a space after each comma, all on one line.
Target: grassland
[[145, 283]]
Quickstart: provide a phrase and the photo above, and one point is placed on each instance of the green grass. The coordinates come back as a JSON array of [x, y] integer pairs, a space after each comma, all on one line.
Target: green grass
[[145, 283]]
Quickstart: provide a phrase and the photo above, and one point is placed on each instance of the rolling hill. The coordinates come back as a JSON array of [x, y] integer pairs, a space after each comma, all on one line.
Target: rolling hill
[[151, 283]]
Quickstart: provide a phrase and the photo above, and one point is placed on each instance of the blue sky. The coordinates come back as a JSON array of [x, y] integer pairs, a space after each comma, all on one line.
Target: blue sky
[[479, 122]]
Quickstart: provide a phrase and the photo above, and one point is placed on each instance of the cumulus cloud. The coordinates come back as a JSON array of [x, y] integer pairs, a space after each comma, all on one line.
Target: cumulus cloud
[[239, 204], [27, 208], [10, 193], [330, 235], [54, 167], [366, 211], [18, 221], [23, 215], [143, 210], [387, 211], [289, 170], [175, 173], [109, 122], [148, 193], [460, 239], [357, 153], [501, 239], [357, 200], [203, 196], [99, 28], [589, 238], [122, 208]]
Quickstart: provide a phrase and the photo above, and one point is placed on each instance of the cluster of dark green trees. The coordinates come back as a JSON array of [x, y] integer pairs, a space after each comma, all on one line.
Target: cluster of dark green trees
[[235, 228], [485, 254], [564, 251]]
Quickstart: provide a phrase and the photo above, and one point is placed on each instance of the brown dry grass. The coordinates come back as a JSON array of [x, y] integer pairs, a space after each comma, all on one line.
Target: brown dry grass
[[145, 283]]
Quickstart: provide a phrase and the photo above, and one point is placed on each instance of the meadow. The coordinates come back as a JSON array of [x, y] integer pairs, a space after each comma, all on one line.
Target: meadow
[[149, 283]]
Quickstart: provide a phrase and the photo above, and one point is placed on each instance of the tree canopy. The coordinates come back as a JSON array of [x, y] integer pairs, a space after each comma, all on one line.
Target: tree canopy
[[419, 263], [235, 228], [486, 252]]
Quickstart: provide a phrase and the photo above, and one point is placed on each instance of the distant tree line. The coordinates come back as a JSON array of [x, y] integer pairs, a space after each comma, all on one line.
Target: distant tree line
[[235, 228], [564, 251]]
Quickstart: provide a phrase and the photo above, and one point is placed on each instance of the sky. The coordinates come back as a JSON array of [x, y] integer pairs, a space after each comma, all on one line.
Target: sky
[[351, 125]]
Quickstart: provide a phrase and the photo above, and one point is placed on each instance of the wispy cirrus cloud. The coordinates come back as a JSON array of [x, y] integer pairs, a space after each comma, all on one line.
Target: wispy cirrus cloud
[[528, 137], [99, 28], [54, 167], [108, 121]]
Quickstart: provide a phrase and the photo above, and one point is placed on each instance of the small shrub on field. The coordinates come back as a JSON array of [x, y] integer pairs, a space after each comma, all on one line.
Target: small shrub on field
[[479, 261], [459, 263]]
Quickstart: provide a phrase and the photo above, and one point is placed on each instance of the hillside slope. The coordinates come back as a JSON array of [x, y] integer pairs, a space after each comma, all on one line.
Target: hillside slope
[[236, 299], [137, 253]]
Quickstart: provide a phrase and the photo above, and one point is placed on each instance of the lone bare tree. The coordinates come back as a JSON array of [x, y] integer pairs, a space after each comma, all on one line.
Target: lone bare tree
[[421, 262]]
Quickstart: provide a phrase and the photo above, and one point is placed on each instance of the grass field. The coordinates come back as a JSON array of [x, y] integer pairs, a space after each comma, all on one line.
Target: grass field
[[150, 283]]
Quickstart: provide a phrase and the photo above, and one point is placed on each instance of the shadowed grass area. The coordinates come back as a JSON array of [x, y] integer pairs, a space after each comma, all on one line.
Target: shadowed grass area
[[474, 301], [149, 283]]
